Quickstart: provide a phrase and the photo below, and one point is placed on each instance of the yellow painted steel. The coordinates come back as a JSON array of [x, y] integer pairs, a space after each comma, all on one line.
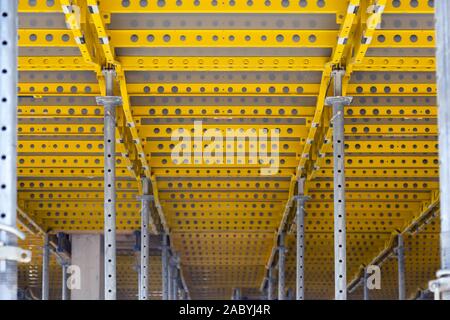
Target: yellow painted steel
[[227, 63], [223, 217], [227, 38]]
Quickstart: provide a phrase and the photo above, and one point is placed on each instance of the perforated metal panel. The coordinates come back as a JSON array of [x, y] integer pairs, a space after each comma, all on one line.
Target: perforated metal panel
[[240, 65]]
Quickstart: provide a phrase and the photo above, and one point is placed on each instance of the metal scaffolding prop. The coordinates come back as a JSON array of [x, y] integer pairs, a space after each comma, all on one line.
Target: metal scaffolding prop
[[173, 277], [110, 102], [400, 252], [270, 283], [165, 266], [10, 254], [236, 294], [281, 267], [175, 280], [170, 276], [300, 222], [45, 267], [441, 287], [145, 240], [64, 288], [340, 260]]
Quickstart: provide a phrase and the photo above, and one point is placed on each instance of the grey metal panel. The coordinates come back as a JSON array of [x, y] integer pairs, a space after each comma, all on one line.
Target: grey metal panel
[[49, 51], [228, 77], [223, 101], [393, 102], [57, 76], [393, 138], [193, 21], [223, 52], [400, 52], [51, 20], [223, 121], [393, 77], [408, 21], [392, 121]]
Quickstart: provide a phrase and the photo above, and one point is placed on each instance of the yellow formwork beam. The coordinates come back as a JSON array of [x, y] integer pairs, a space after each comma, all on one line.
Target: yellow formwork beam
[[228, 38], [256, 6], [161, 63], [250, 89]]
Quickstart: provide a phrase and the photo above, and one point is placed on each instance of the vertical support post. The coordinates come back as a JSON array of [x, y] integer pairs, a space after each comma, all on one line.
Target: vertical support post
[[175, 283], [300, 222], [441, 287], [110, 103], [45, 268], [137, 255], [173, 277], [281, 267], [64, 289], [236, 294], [169, 278], [401, 268], [365, 287], [165, 266], [145, 240], [340, 251], [110, 193], [270, 282], [138, 270], [8, 141], [290, 294]]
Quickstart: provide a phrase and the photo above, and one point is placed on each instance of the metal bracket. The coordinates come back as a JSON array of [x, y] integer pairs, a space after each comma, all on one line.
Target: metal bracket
[[147, 197], [301, 197], [13, 253], [109, 101], [12, 230], [442, 284], [334, 100], [335, 116]]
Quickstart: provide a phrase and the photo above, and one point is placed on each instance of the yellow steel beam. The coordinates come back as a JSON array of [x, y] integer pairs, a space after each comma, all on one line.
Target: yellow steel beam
[[77, 20], [160, 63], [172, 6], [228, 38], [369, 18], [250, 89], [65, 172], [100, 29], [205, 111], [344, 32]]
